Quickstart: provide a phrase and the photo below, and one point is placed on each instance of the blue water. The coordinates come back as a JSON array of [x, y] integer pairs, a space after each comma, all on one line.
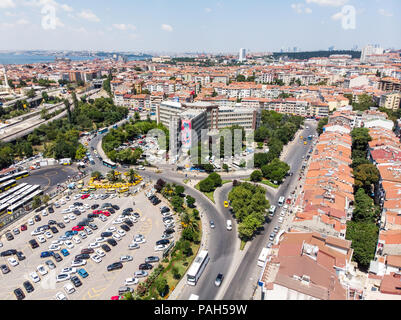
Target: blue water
[[10, 58]]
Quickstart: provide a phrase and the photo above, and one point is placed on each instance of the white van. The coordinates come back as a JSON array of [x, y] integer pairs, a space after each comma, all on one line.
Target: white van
[[281, 201], [272, 211], [229, 225]]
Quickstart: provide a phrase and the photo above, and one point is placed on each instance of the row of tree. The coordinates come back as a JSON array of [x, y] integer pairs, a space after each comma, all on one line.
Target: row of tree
[[274, 171]]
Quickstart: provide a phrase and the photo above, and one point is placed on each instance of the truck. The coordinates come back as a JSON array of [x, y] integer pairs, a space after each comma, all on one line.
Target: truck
[[263, 257], [65, 162]]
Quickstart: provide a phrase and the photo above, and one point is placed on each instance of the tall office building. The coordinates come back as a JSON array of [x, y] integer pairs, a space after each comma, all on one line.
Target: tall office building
[[242, 55]]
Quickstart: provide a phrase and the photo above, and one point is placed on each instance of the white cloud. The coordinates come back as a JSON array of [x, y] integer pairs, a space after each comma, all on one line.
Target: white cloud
[[167, 27], [208, 10], [7, 4], [88, 15], [10, 14], [385, 13], [328, 3], [300, 8], [124, 27]]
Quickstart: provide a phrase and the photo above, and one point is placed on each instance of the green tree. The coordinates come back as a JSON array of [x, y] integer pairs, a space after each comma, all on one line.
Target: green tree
[[256, 176], [97, 175], [161, 286], [131, 175], [31, 94], [322, 122], [226, 168], [276, 170], [190, 201], [179, 190], [366, 175], [364, 210], [216, 179], [36, 202], [206, 185], [81, 152]]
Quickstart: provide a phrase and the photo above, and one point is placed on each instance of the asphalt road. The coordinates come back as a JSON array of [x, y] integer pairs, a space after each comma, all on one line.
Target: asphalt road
[[246, 277], [49, 177]]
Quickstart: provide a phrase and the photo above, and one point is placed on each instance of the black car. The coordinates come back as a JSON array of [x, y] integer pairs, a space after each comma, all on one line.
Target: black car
[[162, 242], [94, 206], [34, 244], [152, 197], [83, 223], [125, 227], [54, 229], [78, 204], [112, 242], [8, 253], [111, 210], [105, 247], [87, 251], [28, 286], [20, 256], [90, 219], [52, 222], [145, 266], [219, 280], [76, 282], [77, 212], [93, 226], [61, 225], [5, 269], [57, 257], [169, 231], [51, 210], [106, 234], [19, 294], [115, 207], [126, 214], [156, 201], [37, 218], [91, 215], [115, 266], [45, 227], [152, 259], [136, 215], [9, 236], [164, 210], [128, 210], [128, 222], [82, 256]]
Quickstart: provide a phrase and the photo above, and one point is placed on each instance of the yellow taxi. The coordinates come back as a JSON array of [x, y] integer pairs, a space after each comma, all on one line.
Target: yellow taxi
[[226, 204]]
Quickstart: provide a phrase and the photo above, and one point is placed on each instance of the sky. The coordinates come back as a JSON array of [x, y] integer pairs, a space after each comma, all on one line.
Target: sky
[[180, 26]]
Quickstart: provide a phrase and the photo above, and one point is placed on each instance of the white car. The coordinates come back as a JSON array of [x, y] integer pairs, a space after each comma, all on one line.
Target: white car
[[83, 235], [133, 246], [57, 242], [66, 220], [133, 219], [102, 218], [93, 245], [69, 244], [100, 252], [117, 237], [111, 229], [57, 205], [68, 210], [48, 235], [139, 240], [77, 196], [71, 207], [78, 263], [41, 239], [141, 168], [42, 270], [13, 262], [54, 247], [37, 232], [121, 233], [282, 214], [87, 206], [44, 213], [88, 231], [62, 202], [76, 239], [72, 217], [34, 276], [141, 274], [280, 220], [118, 221], [113, 196], [82, 209], [126, 258], [131, 281], [100, 240], [96, 258], [69, 270], [160, 247], [31, 222], [69, 288], [60, 296]]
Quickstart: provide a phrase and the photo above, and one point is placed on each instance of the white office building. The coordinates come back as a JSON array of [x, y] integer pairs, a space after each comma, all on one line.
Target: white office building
[[242, 55]]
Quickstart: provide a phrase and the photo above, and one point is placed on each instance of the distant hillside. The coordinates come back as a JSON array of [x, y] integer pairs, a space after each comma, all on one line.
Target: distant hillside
[[316, 54]]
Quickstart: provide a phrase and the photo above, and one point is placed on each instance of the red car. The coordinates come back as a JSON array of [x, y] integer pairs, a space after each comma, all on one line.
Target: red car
[[78, 228], [97, 212], [117, 298], [23, 227], [106, 213], [84, 196]]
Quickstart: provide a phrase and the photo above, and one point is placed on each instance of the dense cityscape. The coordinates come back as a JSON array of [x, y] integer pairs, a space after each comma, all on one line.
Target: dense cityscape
[[158, 175]]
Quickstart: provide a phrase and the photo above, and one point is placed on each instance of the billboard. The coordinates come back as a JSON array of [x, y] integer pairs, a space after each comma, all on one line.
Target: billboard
[[186, 127]]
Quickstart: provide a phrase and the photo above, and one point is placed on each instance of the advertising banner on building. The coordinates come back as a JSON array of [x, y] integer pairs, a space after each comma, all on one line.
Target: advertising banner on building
[[186, 133]]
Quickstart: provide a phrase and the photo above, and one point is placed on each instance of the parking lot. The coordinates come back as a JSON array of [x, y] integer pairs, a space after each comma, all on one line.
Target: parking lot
[[100, 284]]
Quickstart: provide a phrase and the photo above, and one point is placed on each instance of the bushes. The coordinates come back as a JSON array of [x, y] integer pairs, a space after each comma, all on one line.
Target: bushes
[[256, 176], [210, 184], [275, 170]]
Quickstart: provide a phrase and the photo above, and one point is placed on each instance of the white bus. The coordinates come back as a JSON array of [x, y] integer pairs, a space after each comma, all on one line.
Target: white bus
[[24, 202], [197, 267], [263, 257], [281, 201], [11, 191]]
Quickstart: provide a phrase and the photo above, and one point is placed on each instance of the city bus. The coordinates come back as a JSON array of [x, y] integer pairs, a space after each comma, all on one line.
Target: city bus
[[11, 191], [20, 175], [17, 198], [104, 130], [5, 179], [263, 257], [197, 268], [14, 194], [109, 164], [24, 202], [7, 185], [281, 201]]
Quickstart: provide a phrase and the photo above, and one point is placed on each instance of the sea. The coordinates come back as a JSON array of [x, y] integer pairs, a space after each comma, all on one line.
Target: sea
[[24, 58]]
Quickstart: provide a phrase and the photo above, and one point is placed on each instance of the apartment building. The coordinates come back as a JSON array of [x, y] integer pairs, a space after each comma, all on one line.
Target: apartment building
[[391, 101]]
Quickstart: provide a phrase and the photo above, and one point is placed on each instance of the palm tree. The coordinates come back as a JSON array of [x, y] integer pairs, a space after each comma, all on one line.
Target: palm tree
[[111, 176], [131, 176]]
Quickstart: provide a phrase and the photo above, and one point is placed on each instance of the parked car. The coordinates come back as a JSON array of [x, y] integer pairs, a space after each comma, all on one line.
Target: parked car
[[28, 286], [145, 266], [141, 274], [19, 294], [105, 247], [115, 266]]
